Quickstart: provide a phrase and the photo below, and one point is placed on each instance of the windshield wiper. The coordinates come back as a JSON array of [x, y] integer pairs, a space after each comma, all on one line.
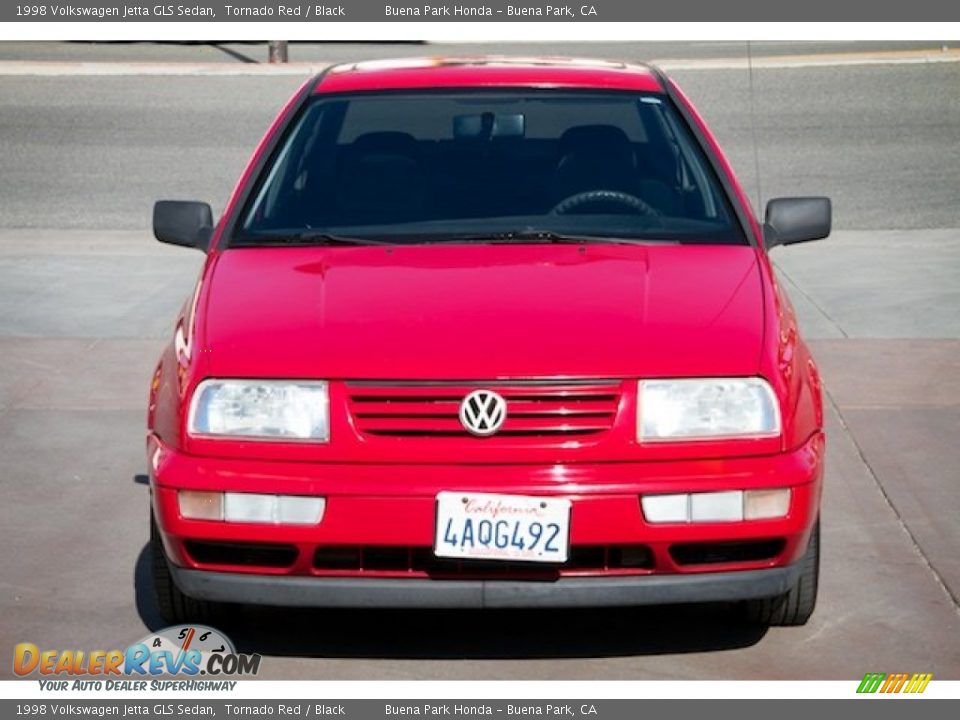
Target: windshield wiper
[[497, 237], [311, 238], [547, 237]]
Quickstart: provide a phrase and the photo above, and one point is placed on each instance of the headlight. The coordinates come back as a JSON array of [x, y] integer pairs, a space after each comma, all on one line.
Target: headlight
[[706, 409], [261, 409]]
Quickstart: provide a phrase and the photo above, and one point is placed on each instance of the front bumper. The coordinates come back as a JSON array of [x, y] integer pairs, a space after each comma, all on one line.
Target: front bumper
[[567, 592], [387, 505]]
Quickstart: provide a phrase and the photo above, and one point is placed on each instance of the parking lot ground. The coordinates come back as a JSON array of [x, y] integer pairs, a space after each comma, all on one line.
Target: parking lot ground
[[86, 312]]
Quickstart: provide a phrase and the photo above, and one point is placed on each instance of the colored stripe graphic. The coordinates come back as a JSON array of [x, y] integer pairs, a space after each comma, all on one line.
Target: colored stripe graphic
[[894, 683], [918, 683], [871, 682]]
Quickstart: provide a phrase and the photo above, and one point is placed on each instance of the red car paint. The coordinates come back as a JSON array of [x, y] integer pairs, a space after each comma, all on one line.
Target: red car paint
[[609, 314], [460, 73]]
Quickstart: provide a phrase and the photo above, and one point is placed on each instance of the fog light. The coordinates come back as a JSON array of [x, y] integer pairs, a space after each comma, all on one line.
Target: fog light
[[248, 508], [300, 510], [666, 508], [201, 505], [761, 504], [716, 507], [273, 509]]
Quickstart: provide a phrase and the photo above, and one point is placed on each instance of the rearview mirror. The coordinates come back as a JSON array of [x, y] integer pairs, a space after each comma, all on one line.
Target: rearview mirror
[[183, 222], [489, 125], [796, 220]]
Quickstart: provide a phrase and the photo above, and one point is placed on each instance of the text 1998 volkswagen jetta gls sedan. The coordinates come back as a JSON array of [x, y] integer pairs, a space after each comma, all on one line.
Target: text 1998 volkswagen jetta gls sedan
[[487, 333]]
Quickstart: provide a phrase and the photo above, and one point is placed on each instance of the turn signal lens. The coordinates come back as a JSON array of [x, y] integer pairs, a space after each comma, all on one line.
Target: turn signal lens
[[198, 505], [763, 504]]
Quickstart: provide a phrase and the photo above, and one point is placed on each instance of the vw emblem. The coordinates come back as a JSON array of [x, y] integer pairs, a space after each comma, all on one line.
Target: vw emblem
[[482, 412]]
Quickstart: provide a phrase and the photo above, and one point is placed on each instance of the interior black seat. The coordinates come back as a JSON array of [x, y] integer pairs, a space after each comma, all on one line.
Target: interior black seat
[[381, 180], [594, 157]]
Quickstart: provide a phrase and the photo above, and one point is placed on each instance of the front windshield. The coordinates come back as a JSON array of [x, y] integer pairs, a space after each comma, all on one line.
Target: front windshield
[[505, 164]]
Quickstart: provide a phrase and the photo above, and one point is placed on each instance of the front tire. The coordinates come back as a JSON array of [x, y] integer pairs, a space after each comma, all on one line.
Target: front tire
[[795, 606], [175, 607]]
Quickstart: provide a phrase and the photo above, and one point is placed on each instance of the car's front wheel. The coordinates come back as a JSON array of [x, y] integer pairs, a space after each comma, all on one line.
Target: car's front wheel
[[174, 606], [796, 605]]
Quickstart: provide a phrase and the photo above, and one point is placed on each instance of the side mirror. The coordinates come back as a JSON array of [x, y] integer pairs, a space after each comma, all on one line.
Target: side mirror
[[183, 222], [796, 220]]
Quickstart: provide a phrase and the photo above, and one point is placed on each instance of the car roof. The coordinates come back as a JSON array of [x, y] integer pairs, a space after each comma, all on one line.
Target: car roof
[[488, 72]]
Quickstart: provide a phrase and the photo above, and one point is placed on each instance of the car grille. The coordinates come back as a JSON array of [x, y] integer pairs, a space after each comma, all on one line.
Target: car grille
[[741, 551], [534, 409], [584, 560], [272, 555]]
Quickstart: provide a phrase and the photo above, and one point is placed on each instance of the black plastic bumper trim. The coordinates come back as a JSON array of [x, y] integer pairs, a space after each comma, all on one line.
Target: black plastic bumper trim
[[329, 592]]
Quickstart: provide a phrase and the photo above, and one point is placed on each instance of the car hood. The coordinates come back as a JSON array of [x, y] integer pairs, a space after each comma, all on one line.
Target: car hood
[[465, 312]]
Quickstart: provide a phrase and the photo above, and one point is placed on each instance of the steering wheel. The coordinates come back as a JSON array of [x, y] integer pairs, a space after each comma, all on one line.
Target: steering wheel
[[630, 202]]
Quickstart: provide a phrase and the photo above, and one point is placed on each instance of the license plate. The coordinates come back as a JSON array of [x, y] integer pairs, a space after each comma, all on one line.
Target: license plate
[[485, 526]]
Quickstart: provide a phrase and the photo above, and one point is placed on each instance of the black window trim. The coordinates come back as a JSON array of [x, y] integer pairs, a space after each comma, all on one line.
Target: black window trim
[[745, 225], [255, 178]]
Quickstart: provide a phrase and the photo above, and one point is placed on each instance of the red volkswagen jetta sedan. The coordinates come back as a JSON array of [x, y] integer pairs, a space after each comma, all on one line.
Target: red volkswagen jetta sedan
[[487, 333]]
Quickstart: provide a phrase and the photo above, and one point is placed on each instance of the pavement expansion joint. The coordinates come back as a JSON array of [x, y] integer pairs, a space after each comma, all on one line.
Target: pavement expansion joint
[[819, 308], [938, 578]]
